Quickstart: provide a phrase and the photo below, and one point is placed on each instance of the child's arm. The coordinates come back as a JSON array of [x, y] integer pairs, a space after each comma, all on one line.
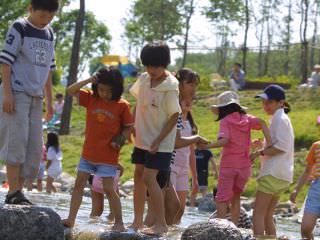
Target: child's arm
[[214, 167], [193, 168], [169, 125], [302, 180], [119, 140], [220, 143], [266, 132], [48, 97], [187, 141], [73, 89], [8, 104]]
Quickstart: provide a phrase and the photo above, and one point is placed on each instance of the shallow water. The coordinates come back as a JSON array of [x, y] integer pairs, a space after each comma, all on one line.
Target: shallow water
[[60, 203]]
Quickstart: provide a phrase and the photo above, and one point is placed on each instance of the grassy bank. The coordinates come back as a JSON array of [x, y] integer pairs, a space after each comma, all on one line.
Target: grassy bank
[[305, 108]]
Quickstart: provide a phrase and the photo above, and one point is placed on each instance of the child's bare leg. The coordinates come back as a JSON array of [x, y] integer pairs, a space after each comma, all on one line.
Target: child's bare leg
[[308, 223], [193, 197], [150, 217], [139, 192], [111, 215], [222, 209], [235, 208], [260, 210], [115, 203], [182, 197], [97, 204], [39, 185], [29, 185], [156, 198], [13, 173], [172, 203], [49, 186], [270, 227], [76, 198]]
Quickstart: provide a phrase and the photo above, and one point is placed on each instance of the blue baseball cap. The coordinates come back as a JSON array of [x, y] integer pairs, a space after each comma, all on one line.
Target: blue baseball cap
[[272, 92]]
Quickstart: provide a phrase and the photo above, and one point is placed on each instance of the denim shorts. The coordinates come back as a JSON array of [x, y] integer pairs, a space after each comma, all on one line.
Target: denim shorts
[[313, 199], [100, 170]]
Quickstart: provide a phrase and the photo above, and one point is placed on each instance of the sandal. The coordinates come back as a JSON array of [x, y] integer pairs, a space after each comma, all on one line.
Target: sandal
[[17, 198]]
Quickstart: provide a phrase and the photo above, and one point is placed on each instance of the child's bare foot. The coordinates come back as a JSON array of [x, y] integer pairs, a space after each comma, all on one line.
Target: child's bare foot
[[110, 218], [136, 226], [68, 223], [118, 227], [156, 230]]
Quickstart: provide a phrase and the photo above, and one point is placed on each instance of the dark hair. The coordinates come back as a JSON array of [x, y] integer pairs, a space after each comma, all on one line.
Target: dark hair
[[59, 95], [155, 55], [238, 64], [53, 141], [46, 5], [286, 107], [192, 123], [231, 108], [186, 74], [112, 77]]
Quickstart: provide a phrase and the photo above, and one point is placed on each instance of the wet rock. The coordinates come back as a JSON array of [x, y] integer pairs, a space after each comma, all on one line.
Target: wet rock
[[286, 209], [247, 234], [29, 223], [247, 204], [125, 236], [127, 187], [66, 181], [206, 204], [215, 229]]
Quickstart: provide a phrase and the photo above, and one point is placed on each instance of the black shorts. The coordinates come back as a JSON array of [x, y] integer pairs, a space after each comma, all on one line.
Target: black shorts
[[163, 178], [203, 178], [159, 160]]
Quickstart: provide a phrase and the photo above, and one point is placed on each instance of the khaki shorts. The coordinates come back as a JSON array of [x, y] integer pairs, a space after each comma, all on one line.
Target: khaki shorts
[[21, 134], [271, 185]]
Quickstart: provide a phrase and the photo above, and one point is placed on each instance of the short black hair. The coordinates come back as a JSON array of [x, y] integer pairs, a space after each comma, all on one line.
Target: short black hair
[[155, 55], [238, 64], [59, 95], [112, 77], [231, 108], [47, 5]]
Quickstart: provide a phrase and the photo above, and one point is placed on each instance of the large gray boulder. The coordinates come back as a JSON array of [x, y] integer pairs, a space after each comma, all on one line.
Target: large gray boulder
[[214, 229], [124, 236], [206, 204], [29, 223]]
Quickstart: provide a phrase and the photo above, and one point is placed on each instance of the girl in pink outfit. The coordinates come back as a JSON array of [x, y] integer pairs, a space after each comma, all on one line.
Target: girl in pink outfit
[[235, 139]]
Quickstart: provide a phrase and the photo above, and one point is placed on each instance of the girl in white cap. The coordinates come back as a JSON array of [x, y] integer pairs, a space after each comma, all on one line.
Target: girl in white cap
[[235, 138]]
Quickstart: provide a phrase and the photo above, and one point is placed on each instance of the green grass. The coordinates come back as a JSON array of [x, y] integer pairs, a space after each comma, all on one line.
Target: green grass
[[305, 108]]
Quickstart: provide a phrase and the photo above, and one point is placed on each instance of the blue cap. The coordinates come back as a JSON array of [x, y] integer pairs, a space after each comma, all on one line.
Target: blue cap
[[272, 92]]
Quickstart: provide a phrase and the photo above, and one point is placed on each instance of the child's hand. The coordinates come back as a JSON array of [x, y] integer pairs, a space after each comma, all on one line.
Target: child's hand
[[253, 156], [49, 113], [118, 141], [195, 186], [257, 144], [155, 146], [8, 105], [202, 140], [293, 196]]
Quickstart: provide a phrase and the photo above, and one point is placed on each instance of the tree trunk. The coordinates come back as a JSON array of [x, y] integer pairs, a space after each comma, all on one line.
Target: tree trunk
[[314, 37], [186, 36], [269, 38], [304, 40], [244, 48], [260, 56], [287, 39], [73, 70]]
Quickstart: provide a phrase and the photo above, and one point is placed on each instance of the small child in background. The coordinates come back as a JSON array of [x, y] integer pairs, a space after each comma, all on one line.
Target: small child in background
[[58, 106], [97, 194], [203, 158], [54, 158], [312, 206], [235, 138]]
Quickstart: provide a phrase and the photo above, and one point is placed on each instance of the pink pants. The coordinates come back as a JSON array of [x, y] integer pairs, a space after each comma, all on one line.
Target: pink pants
[[97, 183], [231, 181]]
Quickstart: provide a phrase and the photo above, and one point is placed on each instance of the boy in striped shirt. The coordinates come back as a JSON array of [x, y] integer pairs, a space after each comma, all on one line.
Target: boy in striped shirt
[[27, 60]]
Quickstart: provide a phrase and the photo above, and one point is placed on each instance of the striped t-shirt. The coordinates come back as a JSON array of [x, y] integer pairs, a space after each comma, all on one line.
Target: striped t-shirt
[[30, 53], [179, 127], [313, 159]]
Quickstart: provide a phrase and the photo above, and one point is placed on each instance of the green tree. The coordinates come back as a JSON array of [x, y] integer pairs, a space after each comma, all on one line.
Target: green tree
[[95, 39]]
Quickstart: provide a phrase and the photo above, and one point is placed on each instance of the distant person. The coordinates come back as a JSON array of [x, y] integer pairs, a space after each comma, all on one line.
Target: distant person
[[312, 206], [237, 78], [58, 106], [27, 61], [314, 80], [54, 160], [203, 157]]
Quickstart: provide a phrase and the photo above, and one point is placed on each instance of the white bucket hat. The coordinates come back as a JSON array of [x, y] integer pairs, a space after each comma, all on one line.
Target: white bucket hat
[[227, 98]]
